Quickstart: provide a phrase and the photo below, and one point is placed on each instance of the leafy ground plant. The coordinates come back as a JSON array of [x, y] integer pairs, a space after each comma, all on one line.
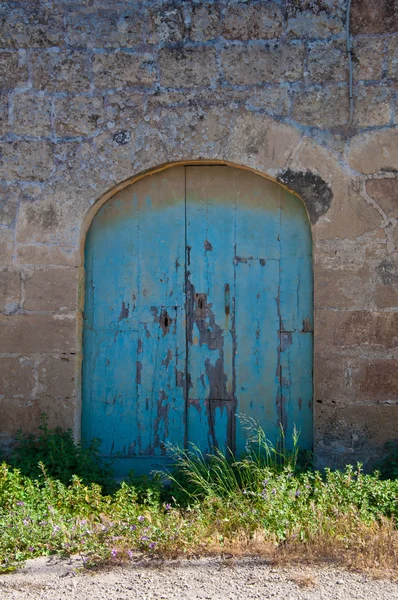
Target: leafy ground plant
[[262, 503]]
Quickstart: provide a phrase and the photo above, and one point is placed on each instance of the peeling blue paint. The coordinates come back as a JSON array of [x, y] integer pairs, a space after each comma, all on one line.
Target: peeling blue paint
[[198, 307]]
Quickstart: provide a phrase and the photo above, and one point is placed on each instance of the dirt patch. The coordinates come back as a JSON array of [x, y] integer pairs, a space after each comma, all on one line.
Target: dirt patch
[[207, 578]]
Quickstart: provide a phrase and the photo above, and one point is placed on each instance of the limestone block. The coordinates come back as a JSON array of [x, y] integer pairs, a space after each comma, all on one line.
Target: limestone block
[[10, 291], [188, 67], [13, 70], [379, 381], [349, 215], [259, 21], [42, 254], [367, 54], [323, 107], [9, 198], [51, 289], [273, 100], [387, 282], [37, 333], [93, 27], [374, 16], [374, 151], [354, 433], [32, 114], [124, 109], [372, 105], [167, 22], [79, 116], [29, 161], [308, 25], [6, 246], [205, 22], [25, 414], [123, 70], [328, 62], [385, 192], [56, 71], [250, 65], [351, 329], [393, 58], [4, 127], [16, 377], [31, 24], [348, 287], [57, 376]]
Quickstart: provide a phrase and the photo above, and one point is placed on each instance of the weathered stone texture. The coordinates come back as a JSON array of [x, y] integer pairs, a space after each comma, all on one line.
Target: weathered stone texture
[[26, 160], [32, 114], [114, 27], [374, 16], [253, 21], [373, 152], [328, 62], [367, 55], [188, 67], [94, 93], [4, 103], [37, 333], [51, 289], [10, 291], [16, 377], [56, 376], [79, 116], [249, 65], [59, 71], [123, 69], [321, 107], [205, 22], [13, 70]]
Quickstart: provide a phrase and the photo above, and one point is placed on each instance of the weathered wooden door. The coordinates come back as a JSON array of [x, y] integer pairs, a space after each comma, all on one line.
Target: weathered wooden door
[[198, 308]]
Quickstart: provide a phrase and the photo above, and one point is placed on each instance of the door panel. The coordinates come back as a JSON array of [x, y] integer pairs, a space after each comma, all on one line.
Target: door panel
[[210, 227], [135, 269], [198, 309]]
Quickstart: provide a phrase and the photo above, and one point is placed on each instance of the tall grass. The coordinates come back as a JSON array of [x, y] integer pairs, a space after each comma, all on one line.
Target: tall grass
[[262, 503]]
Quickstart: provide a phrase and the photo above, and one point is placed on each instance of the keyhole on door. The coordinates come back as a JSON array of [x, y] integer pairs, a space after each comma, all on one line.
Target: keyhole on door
[[165, 321], [201, 306]]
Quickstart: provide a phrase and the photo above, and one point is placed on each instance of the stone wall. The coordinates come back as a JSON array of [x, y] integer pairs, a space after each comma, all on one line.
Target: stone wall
[[94, 93]]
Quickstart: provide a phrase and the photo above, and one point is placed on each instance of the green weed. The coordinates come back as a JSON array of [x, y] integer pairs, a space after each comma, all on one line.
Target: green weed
[[264, 503]]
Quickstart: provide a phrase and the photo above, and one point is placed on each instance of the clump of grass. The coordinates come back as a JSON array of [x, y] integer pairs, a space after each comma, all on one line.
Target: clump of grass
[[262, 503]]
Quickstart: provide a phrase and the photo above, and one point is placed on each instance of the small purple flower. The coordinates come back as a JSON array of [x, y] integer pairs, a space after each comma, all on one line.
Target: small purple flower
[[130, 554], [152, 545], [141, 518], [20, 503], [133, 527], [26, 522], [144, 538], [31, 549], [297, 494], [113, 553], [168, 507], [265, 482]]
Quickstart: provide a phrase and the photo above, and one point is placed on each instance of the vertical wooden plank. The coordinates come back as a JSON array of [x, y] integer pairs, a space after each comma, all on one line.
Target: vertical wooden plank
[[210, 233], [134, 340], [257, 305], [296, 306]]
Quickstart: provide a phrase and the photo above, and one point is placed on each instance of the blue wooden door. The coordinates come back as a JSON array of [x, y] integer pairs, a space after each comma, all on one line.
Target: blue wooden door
[[198, 307]]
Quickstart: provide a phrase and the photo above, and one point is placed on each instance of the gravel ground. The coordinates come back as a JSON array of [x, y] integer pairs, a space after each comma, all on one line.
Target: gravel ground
[[203, 579]]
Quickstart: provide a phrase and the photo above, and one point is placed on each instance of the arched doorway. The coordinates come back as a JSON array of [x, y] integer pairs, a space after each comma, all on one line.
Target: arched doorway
[[198, 307]]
